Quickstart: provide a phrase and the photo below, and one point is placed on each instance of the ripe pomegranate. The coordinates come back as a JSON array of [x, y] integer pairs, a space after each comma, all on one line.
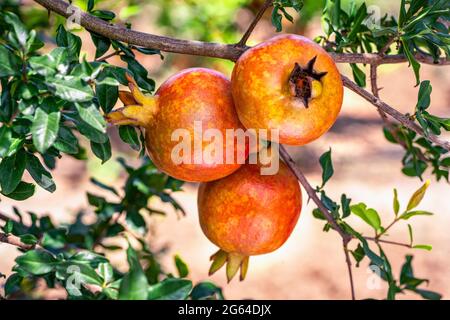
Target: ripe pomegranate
[[247, 214], [196, 94], [287, 83]]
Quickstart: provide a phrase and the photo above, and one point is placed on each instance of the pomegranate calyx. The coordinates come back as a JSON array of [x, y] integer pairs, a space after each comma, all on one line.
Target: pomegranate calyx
[[234, 262], [139, 109], [305, 82]]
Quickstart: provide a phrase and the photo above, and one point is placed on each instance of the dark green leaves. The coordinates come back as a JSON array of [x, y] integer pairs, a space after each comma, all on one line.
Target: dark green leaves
[[11, 171], [102, 150], [424, 95], [37, 262], [39, 173], [170, 289], [279, 10], [128, 135], [358, 75], [22, 192], [134, 285], [45, 128], [91, 115], [182, 268], [9, 62], [71, 89], [327, 166]]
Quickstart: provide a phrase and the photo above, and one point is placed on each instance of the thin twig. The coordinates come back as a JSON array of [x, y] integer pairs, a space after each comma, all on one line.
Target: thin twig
[[400, 117], [386, 47], [104, 58], [388, 242], [259, 15], [15, 241], [349, 268]]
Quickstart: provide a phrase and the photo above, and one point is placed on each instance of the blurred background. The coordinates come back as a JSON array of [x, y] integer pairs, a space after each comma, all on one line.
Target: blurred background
[[311, 264]]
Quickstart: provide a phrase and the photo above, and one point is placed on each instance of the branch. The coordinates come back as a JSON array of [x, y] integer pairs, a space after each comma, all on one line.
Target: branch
[[400, 117], [389, 242], [312, 193], [120, 33], [350, 272], [15, 241], [206, 49], [262, 10], [375, 58]]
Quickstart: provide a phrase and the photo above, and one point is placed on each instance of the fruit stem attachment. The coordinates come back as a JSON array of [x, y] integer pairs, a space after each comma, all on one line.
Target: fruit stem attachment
[[234, 262], [305, 83], [139, 109]]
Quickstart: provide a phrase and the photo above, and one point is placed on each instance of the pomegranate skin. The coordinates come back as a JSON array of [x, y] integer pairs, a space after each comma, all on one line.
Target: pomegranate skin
[[264, 98], [196, 98], [247, 213]]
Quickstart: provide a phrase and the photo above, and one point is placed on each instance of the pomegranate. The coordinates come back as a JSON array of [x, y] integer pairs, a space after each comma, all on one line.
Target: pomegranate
[[247, 214], [287, 83], [193, 98]]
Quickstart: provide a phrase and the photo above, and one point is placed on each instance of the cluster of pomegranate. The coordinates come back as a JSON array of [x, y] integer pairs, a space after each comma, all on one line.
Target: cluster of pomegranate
[[287, 83]]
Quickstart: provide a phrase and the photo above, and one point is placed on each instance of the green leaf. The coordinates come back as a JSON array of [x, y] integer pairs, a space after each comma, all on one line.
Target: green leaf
[[90, 5], [417, 197], [276, 18], [101, 43], [13, 283], [11, 171], [69, 41], [358, 75], [8, 226], [412, 61], [134, 285], [91, 115], [106, 271], [66, 141], [369, 215], [327, 166], [39, 173], [128, 135], [410, 232], [358, 254], [22, 192], [170, 289], [429, 295], [423, 247], [9, 63], [396, 204], [103, 14], [409, 214], [71, 89], [28, 239], [19, 30], [424, 95], [84, 273], [90, 132], [45, 128], [206, 291], [37, 262], [5, 140], [182, 267], [345, 205], [102, 150]]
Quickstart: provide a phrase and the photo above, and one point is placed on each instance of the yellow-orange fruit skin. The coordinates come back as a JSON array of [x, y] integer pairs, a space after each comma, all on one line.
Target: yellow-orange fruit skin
[[264, 100], [195, 94], [249, 213]]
